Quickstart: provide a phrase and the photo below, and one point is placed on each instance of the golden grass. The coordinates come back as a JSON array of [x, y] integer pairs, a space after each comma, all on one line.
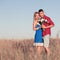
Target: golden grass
[[24, 50]]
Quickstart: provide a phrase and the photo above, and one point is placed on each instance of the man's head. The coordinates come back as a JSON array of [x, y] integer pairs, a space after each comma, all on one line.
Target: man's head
[[41, 12]]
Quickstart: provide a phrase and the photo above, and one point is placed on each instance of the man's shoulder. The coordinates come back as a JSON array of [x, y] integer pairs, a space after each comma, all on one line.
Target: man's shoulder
[[47, 17]]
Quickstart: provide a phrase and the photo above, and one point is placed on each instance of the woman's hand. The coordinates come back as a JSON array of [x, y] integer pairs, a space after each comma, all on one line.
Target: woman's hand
[[38, 28]]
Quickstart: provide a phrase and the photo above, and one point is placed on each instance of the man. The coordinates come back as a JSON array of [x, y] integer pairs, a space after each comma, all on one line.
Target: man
[[47, 29]]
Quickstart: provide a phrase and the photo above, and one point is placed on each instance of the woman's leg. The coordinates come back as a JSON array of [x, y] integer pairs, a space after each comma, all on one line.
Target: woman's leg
[[39, 49]]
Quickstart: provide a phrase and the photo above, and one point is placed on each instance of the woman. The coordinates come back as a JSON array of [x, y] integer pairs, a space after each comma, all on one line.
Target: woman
[[38, 41]]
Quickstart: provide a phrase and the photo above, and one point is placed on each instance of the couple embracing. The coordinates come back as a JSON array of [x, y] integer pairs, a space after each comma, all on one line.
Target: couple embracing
[[42, 24]]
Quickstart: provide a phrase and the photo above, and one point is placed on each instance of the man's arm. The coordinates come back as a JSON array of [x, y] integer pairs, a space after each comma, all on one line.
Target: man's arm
[[51, 23], [50, 26]]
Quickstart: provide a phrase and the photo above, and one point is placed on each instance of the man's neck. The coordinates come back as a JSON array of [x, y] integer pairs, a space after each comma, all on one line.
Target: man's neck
[[43, 16]]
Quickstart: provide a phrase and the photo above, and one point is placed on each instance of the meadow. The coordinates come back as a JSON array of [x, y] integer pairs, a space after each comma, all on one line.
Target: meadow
[[24, 50]]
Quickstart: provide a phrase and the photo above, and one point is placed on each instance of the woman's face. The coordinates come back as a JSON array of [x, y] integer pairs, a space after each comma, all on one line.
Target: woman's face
[[36, 16]]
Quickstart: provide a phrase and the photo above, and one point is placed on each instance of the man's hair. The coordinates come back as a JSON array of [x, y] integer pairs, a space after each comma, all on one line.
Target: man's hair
[[41, 10]]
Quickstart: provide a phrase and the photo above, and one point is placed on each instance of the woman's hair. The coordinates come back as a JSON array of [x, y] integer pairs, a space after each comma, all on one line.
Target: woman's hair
[[35, 15]]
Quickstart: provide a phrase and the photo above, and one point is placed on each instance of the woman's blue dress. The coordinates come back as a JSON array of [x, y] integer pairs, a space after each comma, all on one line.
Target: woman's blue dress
[[38, 35]]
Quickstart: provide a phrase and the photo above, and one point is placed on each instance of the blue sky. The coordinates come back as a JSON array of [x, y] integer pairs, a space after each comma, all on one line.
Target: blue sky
[[16, 16]]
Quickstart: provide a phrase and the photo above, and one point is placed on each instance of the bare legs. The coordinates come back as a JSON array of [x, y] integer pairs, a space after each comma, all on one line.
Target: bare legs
[[39, 49], [47, 50]]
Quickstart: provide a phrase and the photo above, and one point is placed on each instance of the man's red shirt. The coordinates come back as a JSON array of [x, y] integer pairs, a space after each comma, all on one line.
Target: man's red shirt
[[49, 22]]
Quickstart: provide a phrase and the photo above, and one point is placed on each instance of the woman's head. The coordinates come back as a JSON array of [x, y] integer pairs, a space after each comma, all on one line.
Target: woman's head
[[36, 16]]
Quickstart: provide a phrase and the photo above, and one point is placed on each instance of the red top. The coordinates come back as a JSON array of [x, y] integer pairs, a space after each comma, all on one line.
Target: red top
[[49, 22]]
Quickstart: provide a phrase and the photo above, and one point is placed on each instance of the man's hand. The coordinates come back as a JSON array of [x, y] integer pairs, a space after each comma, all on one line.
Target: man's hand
[[50, 26], [43, 26]]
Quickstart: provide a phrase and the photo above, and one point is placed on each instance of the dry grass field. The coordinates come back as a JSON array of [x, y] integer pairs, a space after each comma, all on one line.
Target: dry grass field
[[24, 50]]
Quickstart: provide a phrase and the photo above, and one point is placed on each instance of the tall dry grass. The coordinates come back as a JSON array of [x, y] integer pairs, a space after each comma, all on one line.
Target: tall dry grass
[[24, 50]]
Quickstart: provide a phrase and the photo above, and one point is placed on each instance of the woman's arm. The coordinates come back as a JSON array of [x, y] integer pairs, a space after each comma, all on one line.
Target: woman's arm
[[34, 25]]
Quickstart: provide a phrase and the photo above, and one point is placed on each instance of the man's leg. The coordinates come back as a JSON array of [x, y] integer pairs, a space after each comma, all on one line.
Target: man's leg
[[47, 50], [46, 43]]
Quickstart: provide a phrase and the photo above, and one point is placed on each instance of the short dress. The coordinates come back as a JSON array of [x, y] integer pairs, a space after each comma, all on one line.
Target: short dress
[[38, 39]]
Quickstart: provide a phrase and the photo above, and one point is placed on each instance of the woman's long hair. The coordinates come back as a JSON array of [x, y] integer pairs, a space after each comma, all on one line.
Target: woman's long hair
[[35, 15]]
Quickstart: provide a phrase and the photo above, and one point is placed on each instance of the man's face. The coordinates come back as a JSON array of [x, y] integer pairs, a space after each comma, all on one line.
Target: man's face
[[41, 14]]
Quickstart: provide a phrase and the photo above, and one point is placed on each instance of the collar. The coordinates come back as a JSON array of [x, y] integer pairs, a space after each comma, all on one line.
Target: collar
[[44, 16]]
